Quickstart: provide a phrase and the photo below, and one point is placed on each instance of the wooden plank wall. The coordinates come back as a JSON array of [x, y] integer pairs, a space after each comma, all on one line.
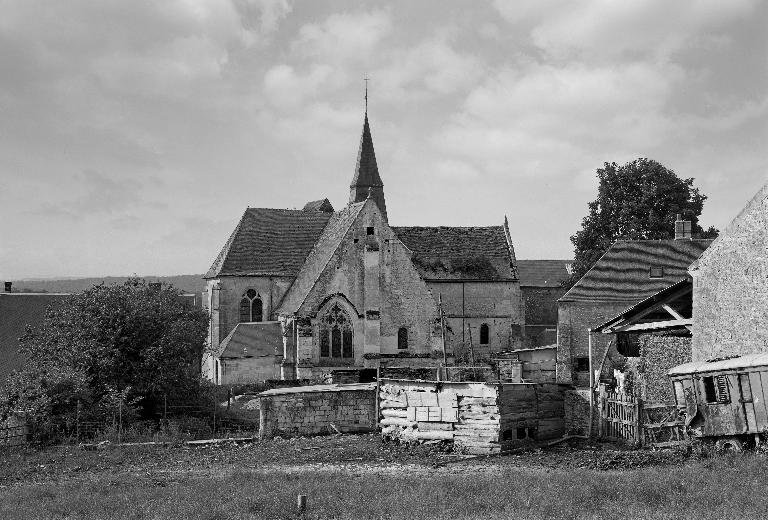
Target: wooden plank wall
[[480, 418]]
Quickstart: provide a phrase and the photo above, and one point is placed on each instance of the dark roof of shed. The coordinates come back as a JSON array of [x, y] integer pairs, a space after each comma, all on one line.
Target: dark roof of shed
[[449, 253], [680, 290], [269, 242], [542, 273], [258, 339], [17, 310], [622, 273]]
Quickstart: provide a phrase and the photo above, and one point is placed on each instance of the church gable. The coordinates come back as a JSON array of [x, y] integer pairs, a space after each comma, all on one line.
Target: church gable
[[371, 269]]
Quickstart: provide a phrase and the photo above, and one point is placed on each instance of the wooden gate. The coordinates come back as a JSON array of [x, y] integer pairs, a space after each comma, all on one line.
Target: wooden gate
[[619, 417], [627, 418], [662, 425]]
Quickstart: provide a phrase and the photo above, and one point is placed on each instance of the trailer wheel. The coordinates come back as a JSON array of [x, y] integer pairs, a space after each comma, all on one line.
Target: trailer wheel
[[729, 445]]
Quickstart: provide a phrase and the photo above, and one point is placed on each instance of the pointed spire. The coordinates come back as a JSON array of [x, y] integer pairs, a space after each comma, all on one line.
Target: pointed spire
[[366, 176]]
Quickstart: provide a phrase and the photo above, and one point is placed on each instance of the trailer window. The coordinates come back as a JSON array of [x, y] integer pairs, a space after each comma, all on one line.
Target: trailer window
[[716, 389], [679, 392]]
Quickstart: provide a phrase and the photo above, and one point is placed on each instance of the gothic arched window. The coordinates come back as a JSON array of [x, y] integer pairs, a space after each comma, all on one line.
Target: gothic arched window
[[251, 307], [336, 334], [484, 334], [402, 338]]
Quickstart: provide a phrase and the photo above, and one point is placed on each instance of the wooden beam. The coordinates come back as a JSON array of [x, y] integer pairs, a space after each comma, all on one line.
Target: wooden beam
[[657, 325], [673, 312]]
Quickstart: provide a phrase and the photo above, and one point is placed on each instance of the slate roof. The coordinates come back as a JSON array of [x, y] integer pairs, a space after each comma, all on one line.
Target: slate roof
[[542, 273], [319, 257], [17, 310], [319, 205], [261, 339], [459, 253], [269, 242], [623, 273]]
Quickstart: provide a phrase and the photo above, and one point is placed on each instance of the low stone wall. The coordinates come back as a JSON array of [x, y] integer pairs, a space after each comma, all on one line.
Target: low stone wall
[[316, 410], [577, 412]]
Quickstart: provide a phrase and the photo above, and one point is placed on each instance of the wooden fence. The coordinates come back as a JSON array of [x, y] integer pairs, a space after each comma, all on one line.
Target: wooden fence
[[627, 418]]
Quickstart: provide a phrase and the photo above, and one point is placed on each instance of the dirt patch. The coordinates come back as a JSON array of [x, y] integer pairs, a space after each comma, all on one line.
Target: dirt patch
[[349, 453]]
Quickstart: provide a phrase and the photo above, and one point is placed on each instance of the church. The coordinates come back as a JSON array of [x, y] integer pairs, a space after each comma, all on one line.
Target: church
[[301, 294]]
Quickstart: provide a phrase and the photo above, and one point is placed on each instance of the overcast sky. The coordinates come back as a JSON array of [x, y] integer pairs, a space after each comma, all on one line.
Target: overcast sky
[[133, 134]]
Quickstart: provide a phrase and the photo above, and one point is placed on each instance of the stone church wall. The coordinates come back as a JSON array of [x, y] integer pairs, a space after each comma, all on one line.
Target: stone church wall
[[468, 305], [730, 288], [225, 301]]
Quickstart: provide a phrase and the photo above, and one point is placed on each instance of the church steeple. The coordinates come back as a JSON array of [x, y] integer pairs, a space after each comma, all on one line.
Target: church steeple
[[367, 182]]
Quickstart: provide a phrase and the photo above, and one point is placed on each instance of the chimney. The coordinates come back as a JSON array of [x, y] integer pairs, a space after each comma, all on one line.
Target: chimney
[[8, 286], [682, 228]]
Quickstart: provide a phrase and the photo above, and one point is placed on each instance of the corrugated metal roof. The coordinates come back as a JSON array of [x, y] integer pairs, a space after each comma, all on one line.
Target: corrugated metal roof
[[698, 367], [319, 388], [449, 253], [623, 273]]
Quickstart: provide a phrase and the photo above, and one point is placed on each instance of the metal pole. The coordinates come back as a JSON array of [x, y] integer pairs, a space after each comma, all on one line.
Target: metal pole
[[591, 386]]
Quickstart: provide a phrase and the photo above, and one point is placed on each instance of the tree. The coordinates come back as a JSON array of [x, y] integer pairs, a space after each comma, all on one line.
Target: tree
[[130, 344], [636, 201]]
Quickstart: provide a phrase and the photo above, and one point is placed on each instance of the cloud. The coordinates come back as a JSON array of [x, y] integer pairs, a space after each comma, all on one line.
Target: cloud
[[605, 29], [343, 37], [543, 119]]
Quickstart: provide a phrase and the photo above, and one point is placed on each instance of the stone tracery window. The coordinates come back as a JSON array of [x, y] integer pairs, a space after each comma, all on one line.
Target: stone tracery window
[[336, 334], [251, 308]]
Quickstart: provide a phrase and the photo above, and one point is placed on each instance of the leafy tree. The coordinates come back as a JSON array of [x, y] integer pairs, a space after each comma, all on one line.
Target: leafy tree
[[127, 344], [636, 201]]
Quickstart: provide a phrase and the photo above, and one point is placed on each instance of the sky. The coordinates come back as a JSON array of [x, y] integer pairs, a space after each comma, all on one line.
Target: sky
[[133, 134]]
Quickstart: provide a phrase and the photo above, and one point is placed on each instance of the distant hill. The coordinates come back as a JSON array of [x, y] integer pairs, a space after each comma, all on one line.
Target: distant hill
[[193, 283]]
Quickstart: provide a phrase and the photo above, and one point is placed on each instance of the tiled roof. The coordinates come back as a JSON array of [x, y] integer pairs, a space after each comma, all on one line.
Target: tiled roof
[[623, 273], [319, 257], [269, 242], [450, 253], [262, 339], [319, 205], [542, 273], [17, 310]]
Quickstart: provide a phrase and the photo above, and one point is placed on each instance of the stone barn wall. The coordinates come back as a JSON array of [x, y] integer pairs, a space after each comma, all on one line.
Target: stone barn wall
[[316, 410], [730, 288], [658, 354]]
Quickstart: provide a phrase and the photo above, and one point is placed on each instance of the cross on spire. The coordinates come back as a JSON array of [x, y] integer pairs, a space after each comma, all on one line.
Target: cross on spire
[[366, 79]]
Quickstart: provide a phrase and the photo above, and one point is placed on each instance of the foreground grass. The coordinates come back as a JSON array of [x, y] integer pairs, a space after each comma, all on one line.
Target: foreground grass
[[722, 487]]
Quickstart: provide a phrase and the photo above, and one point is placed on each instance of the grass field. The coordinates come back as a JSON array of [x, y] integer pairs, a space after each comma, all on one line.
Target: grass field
[[262, 481]]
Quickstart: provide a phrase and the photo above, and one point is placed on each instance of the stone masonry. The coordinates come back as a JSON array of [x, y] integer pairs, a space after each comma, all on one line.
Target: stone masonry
[[315, 410]]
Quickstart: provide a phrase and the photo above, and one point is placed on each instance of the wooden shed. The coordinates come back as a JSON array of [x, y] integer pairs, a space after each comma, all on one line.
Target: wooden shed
[[725, 397], [477, 417]]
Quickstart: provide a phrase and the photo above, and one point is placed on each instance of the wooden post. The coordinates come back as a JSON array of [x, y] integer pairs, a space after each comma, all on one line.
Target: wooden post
[[442, 326], [471, 351], [120, 423], [638, 422], [301, 503], [377, 411], [600, 401]]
